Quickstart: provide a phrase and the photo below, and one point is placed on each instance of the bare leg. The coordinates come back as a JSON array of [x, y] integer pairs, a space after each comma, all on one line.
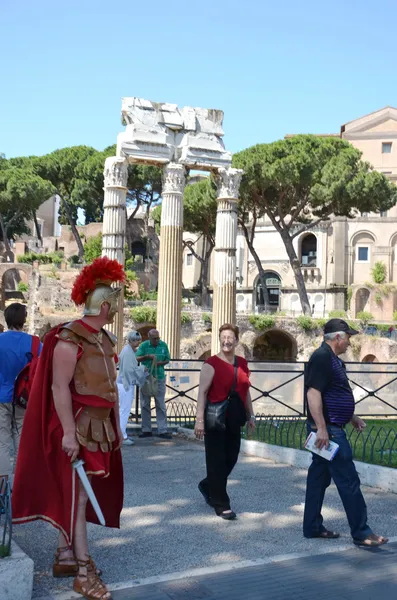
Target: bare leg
[[86, 576], [65, 552]]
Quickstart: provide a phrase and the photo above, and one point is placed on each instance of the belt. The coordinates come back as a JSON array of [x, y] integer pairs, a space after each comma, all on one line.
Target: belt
[[312, 424]]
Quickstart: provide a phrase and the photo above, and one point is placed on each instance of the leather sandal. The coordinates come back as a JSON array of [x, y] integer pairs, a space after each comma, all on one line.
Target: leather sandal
[[64, 567], [90, 585]]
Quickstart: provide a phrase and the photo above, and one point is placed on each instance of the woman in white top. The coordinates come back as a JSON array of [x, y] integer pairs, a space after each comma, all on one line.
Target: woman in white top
[[130, 375]]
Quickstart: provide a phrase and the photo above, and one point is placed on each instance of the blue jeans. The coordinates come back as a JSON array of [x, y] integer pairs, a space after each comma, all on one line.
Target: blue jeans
[[343, 471]]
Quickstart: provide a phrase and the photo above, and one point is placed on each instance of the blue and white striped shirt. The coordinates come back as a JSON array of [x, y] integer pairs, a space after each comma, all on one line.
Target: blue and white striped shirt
[[327, 373]]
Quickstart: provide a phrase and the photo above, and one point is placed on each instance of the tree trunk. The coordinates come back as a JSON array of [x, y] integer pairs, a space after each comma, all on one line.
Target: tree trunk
[[36, 224], [261, 271], [74, 229], [9, 255], [296, 267], [205, 264]]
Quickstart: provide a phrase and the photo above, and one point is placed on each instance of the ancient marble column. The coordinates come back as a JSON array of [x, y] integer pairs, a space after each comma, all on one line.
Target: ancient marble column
[[114, 224], [171, 258], [224, 278]]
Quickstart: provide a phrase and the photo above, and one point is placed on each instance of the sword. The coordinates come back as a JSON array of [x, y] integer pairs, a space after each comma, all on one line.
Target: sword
[[78, 466]]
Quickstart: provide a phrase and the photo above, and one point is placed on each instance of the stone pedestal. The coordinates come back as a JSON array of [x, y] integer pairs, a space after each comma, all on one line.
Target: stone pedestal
[[224, 279], [171, 258], [114, 224]]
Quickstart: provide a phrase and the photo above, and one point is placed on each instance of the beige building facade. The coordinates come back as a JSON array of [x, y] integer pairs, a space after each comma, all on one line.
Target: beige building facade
[[336, 257]]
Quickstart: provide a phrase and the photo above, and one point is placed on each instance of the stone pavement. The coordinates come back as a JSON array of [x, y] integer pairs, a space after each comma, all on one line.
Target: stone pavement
[[348, 575], [167, 528]]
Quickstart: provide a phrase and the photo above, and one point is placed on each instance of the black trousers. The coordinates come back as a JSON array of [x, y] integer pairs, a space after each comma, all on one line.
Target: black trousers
[[221, 454]]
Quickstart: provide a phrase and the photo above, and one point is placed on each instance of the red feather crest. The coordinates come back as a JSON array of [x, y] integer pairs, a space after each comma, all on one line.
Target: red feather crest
[[102, 270]]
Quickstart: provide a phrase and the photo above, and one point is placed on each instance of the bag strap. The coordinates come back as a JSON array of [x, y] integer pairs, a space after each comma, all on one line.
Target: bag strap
[[154, 367], [233, 388], [35, 346]]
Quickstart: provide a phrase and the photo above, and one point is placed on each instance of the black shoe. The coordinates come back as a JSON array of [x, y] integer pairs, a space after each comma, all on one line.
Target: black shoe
[[228, 516], [204, 493], [146, 434], [165, 436]]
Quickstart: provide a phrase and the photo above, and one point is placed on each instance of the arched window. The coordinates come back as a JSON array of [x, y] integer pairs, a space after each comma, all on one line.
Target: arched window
[[362, 300], [138, 249], [309, 251], [273, 284]]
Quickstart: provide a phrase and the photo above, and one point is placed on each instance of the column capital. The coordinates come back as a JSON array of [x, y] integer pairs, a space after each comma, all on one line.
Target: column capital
[[116, 172], [174, 178], [228, 183]]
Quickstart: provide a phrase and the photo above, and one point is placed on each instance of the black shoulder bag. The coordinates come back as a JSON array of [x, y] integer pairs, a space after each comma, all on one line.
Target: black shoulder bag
[[232, 408]]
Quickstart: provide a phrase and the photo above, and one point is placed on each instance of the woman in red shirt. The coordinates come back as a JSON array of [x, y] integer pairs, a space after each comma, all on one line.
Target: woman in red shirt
[[222, 447]]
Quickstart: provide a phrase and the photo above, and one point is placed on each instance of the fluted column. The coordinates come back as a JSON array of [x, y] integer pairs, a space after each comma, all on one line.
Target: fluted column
[[171, 258], [114, 224], [224, 279]]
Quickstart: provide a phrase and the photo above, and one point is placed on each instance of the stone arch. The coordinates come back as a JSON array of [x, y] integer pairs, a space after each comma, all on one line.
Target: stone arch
[[362, 300], [363, 236], [275, 345], [308, 249], [369, 358], [138, 248], [273, 284], [144, 331], [10, 275]]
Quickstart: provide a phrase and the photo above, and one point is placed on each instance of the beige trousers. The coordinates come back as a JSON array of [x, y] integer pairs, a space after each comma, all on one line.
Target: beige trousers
[[10, 432]]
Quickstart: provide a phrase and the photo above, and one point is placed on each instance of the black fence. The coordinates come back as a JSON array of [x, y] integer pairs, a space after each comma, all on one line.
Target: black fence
[[377, 444], [277, 389], [5, 518]]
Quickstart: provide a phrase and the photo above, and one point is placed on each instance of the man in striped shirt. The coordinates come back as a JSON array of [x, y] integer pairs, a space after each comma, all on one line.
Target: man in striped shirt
[[330, 406]]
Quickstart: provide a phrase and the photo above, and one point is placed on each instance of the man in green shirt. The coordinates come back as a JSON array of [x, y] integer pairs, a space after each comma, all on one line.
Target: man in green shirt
[[154, 349]]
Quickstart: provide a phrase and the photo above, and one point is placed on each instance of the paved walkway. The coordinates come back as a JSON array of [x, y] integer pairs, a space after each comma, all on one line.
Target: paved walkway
[[167, 528]]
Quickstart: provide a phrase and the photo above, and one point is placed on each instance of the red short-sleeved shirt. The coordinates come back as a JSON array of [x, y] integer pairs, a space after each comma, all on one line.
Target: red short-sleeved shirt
[[224, 377]]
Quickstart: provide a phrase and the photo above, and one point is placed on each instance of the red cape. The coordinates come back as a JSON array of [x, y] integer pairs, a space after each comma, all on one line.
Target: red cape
[[45, 484]]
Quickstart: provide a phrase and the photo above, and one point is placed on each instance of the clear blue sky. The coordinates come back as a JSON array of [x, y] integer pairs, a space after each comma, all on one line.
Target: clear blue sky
[[273, 67]]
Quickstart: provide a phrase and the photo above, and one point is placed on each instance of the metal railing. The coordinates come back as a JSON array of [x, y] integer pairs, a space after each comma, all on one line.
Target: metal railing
[[277, 388], [377, 444], [5, 518]]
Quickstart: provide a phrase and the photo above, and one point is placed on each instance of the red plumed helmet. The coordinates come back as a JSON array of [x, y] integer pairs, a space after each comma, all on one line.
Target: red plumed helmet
[[102, 271]]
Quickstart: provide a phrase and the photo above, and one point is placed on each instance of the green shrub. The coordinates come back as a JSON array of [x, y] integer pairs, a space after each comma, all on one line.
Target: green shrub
[[379, 272], [93, 248], [364, 317], [337, 314], [207, 317], [43, 259], [144, 314], [23, 287], [264, 321], [395, 315], [186, 318], [320, 323], [152, 295], [74, 259], [306, 322], [382, 326]]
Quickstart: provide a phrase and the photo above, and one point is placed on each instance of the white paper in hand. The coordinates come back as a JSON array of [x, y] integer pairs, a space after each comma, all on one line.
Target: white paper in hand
[[327, 453]]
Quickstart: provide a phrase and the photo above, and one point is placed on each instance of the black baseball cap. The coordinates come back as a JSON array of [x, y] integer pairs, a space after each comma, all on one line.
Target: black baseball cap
[[334, 325]]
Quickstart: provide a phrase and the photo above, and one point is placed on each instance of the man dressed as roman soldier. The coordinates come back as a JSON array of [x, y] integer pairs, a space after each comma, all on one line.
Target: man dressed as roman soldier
[[73, 413]]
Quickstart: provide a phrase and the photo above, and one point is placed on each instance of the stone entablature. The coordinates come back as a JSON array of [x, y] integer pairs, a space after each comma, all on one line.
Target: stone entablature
[[158, 133]]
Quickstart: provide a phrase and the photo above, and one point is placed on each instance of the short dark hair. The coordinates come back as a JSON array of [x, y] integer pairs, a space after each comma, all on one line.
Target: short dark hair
[[15, 315], [230, 327]]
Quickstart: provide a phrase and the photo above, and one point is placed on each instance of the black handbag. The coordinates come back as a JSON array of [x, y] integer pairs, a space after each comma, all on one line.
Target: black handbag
[[215, 413]]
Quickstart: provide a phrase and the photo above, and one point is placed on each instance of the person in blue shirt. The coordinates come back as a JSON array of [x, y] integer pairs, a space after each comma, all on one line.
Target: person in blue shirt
[[15, 346]]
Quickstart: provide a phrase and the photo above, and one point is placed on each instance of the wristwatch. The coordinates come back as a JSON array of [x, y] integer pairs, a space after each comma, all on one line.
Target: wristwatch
[[253, 417]]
